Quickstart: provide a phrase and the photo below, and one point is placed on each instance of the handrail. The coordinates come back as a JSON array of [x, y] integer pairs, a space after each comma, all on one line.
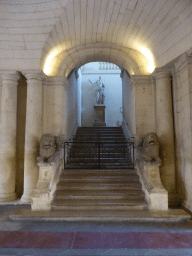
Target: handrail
[[126, 125]]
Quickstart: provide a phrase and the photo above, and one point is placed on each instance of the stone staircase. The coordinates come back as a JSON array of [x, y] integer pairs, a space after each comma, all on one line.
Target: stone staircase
[[110, 194], [100, 147], [87, 193], [99, 190]]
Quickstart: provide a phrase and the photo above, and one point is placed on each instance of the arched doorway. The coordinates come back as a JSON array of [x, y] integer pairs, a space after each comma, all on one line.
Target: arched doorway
[[98, 74]]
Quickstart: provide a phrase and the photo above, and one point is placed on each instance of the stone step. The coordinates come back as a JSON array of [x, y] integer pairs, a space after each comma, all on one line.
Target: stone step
[[84, 194], [103, 166], [97, 134], [102, 143], [95, 150], [88, 172], [96, 155], [95, 160], [87, 204], [93, 144], [98, 186], [137, 215], [118, 147], [101, 140], [99, 128], [105, 179]]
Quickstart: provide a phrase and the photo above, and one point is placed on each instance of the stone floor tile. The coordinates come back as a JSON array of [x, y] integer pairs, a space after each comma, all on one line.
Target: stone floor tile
[[71, 252], [51, 252], [176, 252], [17, 251], [132, 252], [88, 251], [11, 226]]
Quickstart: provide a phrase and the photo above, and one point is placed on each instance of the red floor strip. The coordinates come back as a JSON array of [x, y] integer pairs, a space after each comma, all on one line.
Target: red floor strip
[[93, 240]]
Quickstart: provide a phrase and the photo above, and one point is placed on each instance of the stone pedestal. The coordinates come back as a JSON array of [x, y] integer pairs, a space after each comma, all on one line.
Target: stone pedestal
[[48, 177], [33, 133], [155, 194], [8, 137], [99, 115]]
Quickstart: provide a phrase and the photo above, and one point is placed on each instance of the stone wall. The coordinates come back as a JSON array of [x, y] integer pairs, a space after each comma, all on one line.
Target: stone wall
[[139, 104], [53, 105], [182, 96], [144, 105], [72, 104], [128, 98]]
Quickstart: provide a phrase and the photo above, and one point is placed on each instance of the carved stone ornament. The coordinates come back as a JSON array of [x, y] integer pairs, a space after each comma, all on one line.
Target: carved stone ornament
[[49, 148], [149, 150]]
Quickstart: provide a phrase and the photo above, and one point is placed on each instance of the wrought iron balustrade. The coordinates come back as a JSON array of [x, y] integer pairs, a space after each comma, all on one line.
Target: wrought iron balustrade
[[99, 154]]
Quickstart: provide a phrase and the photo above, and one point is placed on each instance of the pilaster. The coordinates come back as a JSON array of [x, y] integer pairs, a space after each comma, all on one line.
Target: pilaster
[[165, 130], [55, 89]]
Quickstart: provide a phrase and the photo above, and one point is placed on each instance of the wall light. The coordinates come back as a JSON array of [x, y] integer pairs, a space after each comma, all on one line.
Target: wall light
[[147, 53], [47, 67], [51, 55]]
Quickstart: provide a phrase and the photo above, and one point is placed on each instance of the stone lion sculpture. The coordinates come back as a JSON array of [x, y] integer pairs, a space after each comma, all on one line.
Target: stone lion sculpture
[[149, 150], [49, 147]]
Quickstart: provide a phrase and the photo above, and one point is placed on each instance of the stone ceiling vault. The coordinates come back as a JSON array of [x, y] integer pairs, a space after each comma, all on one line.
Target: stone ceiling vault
[[64, 34]]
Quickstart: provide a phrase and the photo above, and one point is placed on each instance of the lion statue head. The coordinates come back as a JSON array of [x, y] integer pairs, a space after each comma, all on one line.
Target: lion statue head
[[49, 145], [150, 148]]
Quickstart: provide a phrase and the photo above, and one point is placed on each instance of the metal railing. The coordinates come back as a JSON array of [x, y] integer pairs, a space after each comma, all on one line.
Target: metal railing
[[98, 155]]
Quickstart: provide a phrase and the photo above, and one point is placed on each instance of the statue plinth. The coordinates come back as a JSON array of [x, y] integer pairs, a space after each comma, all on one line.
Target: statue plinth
[[99, 114]]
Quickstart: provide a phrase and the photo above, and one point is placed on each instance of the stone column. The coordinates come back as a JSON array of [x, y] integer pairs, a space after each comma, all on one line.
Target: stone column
[[8, 136], [165, 130], [33, 132]]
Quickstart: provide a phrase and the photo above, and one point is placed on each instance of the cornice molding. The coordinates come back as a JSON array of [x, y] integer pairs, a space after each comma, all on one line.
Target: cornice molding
[[56, 81], [161, 73], [137, 80]]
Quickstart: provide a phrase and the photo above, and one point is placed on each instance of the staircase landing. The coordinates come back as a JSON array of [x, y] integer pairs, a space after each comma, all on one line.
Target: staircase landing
[[172, 215]]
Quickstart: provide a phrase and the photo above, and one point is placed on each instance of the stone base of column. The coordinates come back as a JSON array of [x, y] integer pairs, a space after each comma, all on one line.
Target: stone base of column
[[31, 173], [7, 176], [7, 197], [26, 198]]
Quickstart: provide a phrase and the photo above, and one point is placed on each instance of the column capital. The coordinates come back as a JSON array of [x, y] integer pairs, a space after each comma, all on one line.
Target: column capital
[[140, 80], [34, 75], [10, 76], [160, 73]]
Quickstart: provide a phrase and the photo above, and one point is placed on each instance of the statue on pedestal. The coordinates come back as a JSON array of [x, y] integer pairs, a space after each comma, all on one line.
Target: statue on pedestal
[[99, 86]]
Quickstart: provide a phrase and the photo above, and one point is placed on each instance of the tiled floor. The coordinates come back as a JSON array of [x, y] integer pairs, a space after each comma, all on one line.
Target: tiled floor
[[88, 238]]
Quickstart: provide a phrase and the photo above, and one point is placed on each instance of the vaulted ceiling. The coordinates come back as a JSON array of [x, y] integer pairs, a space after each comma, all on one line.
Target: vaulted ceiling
[[60, 35]]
